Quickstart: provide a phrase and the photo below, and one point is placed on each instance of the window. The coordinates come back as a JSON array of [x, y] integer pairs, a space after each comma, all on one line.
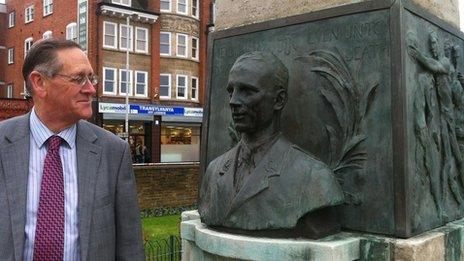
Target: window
[[122, 2], [182, 45], [29, 14], [125, 79], [109, 81], [181, 87], [165, 43], [124, 32], [47, 34], [165, 5], [195, 47], [27, 45], [71, 32], [165, 86], [110, 35], [194, 88], [9, 91], [180, 142], [47, 7], [10, 55], [141, 40], [141, 79], [182, 6], [195, 8], [11, 19]]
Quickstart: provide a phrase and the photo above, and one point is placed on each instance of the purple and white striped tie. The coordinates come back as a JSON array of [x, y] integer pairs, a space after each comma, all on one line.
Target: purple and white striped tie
[[49, 232]]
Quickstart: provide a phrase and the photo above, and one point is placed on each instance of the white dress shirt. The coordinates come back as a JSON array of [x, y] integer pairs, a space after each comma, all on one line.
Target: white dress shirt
[[39, 134]]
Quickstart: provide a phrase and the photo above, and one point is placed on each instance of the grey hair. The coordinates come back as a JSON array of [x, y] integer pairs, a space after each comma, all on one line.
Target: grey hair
[[42, 57]]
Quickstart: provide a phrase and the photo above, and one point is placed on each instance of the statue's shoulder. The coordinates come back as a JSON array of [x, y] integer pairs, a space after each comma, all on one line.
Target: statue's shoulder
[[308, 160], [223, 159], [317, 175]]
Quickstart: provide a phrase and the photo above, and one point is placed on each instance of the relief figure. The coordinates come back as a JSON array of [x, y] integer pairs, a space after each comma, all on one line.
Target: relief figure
[[265, 185], [442, 70]]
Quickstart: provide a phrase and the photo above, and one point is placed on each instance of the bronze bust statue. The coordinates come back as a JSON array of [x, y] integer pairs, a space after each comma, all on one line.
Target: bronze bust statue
[[265, 185]]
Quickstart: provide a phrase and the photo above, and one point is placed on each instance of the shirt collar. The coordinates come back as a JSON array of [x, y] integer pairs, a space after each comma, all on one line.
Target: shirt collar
[[41, 133]]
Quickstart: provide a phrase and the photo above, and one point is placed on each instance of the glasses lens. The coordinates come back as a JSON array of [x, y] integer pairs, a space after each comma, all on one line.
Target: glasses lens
[[93, 79]]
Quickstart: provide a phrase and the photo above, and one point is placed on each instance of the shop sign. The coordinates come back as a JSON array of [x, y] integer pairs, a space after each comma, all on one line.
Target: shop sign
[[156, 110], [149, 110], [193, 112], [111, 108]]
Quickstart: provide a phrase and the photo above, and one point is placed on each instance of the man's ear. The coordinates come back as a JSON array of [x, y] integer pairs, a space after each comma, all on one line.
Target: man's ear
[[37, 84], [280, 99]]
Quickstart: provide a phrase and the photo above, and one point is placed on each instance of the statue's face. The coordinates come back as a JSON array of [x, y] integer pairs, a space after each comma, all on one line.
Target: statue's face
[[252, 97]]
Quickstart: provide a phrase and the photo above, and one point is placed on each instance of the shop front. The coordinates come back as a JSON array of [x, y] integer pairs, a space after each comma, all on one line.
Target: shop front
[[156, 133]]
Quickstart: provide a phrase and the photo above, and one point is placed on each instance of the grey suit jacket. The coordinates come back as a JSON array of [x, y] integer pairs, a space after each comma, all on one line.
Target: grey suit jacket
[[109, 219], [285, 185]]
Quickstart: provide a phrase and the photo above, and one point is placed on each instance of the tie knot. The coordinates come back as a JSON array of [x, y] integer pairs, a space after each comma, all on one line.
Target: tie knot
[[54, 142]]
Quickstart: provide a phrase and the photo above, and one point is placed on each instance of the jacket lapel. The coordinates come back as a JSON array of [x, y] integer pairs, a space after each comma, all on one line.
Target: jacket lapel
[[16, 173], [88, 159], [225, 180], [270, 166]]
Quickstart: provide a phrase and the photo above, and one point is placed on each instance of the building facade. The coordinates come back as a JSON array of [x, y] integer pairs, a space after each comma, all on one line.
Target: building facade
[[153, 50]]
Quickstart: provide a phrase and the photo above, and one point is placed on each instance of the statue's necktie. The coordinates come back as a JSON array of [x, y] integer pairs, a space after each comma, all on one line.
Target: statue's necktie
[[49, 232]]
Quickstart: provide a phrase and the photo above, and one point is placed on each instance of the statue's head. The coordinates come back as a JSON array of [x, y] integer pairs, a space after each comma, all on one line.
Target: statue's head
[[435, 45], [258, 91]]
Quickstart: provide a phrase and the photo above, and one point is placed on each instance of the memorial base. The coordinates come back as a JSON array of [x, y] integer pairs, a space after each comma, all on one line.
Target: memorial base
[[202, 243]]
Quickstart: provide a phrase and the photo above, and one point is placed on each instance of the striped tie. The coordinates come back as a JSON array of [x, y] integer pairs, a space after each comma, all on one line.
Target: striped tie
[[49, 233]]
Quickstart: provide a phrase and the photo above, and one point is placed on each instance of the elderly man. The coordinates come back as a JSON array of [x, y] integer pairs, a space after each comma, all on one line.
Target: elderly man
[[265, 185], [67, 188]]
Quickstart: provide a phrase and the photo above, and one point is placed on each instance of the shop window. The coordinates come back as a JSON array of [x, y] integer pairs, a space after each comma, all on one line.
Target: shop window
[[180, 143], [165, 43], [165, 86], [194, 88], [110, 35], [109, 81], [182, 6], [182, 45], [195, 48], [125, 34], [141, 40], [141, 79], [181, 87], [29, 14], [47, 7], [125, 80], [165, 6], [71, 32]]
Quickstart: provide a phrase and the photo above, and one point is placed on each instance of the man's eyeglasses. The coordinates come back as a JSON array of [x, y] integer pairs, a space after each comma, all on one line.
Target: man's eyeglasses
[[81, 80]]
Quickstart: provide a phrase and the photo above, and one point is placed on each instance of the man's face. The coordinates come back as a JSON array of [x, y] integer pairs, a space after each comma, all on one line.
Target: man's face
[[251, 98], [68, 100]]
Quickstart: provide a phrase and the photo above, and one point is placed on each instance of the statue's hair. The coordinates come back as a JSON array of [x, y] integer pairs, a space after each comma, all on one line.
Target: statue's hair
[[269, 63]]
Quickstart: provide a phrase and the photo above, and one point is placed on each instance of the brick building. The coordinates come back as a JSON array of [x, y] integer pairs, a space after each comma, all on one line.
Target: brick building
[[166, 40]]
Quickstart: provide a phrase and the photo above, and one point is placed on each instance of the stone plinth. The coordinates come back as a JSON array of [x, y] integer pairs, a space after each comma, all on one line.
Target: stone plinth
[[233, 13], [201, 243]]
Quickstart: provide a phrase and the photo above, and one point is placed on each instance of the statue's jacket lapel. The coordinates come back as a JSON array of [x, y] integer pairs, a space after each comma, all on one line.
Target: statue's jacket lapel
[[270, 166]]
